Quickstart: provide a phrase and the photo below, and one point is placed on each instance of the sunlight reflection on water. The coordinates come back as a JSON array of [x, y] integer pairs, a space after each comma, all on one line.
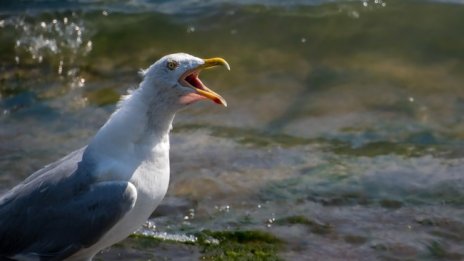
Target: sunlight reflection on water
[[342, 120]]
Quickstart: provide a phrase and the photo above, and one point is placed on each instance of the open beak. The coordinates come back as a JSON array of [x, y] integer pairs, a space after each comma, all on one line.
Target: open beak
[[190, 79]]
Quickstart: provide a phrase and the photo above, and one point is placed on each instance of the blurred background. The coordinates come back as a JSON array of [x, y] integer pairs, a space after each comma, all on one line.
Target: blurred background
[[343, 139]]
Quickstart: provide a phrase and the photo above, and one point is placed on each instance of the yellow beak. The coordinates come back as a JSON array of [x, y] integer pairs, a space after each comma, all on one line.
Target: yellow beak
[[205, 91], [211, 62]]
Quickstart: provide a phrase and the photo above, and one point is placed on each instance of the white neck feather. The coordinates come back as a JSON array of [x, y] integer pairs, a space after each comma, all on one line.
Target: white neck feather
[[139, 124]]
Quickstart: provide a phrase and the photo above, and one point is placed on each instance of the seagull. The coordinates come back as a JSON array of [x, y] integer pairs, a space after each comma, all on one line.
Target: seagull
[[98, 195]]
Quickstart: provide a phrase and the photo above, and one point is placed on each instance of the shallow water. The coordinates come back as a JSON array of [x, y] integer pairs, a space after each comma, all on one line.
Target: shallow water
[[346, 113]]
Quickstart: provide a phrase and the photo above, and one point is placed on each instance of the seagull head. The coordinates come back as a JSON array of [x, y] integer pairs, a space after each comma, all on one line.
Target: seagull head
[[176, 79]]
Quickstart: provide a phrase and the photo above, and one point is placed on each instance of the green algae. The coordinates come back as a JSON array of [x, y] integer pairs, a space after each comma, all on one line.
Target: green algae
[[144, 242], [212, 245], [313, 225], [239, 245]]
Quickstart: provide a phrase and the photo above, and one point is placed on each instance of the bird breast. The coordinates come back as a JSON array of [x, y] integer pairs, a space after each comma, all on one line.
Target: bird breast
[[151, 179]]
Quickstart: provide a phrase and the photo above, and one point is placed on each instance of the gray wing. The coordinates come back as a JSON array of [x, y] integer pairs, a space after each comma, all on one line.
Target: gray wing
[[60, 209]]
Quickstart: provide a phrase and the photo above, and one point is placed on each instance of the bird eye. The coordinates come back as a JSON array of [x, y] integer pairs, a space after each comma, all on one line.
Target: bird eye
[[172, 65]]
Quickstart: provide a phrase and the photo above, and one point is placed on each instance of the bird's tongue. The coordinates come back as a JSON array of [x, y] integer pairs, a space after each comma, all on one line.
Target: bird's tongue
[[204, 91], [195, 81]]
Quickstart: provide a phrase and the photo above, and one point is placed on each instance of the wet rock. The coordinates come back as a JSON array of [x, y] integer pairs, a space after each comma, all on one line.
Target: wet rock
[[436, 249], [355, 239], [390, 203]]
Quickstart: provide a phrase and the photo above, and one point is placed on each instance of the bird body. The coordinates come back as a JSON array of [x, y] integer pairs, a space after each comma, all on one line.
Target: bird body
[[98, 195], [140, 156]]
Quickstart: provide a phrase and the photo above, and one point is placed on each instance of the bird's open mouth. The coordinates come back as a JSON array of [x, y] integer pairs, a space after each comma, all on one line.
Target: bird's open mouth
[[191, 79]]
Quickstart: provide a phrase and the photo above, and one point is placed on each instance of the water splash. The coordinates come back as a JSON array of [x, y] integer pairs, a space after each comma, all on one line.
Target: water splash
[[375, 3], [149, 230], [190, 215], [61, 42], [270, 221], [65, 37], [225, 208]]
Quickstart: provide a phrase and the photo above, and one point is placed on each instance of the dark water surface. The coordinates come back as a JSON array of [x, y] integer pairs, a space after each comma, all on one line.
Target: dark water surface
[[343, 136]]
